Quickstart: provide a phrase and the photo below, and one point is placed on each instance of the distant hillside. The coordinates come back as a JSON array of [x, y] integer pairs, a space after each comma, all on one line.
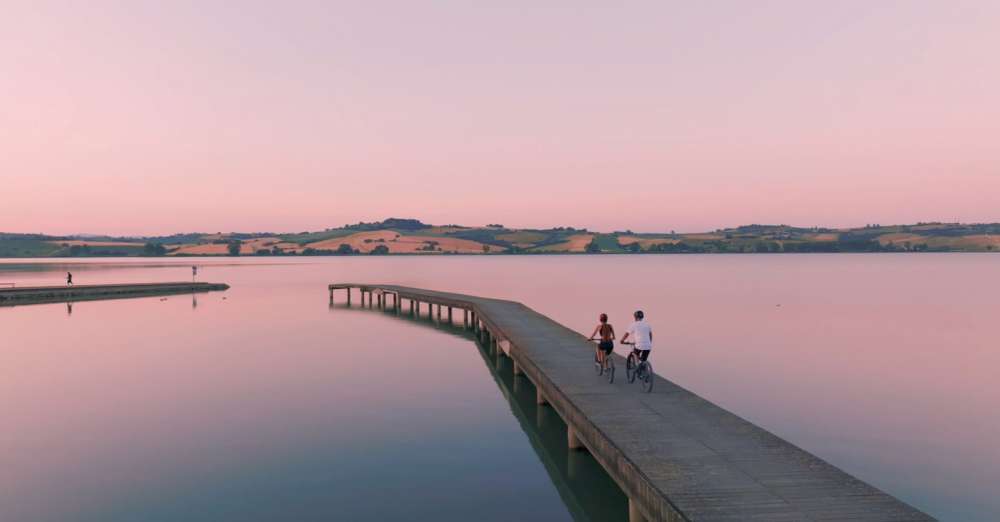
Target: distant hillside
[[410, 236]]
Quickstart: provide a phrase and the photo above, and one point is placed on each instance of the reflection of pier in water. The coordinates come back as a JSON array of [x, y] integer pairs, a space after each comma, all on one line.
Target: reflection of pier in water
[[585, 488]]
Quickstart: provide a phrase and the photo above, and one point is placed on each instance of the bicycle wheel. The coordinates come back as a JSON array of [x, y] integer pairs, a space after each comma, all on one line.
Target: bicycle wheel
[[611, 368], [647, 377], [630, 367], [598, 368]]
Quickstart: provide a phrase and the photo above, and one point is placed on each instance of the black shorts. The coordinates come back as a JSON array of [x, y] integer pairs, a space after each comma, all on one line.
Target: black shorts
[[607, 346], [642, 355]]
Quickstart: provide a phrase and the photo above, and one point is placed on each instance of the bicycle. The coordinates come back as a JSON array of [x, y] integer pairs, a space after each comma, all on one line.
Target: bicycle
[[637, 369], [607, 368]]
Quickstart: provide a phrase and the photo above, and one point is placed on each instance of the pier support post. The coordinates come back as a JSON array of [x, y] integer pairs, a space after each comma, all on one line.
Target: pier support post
[[633, 512], [575, 462], [465, 317], [572, 439], [517, 367], [539, 398], [449, 316], [348, 297], [439, 313]]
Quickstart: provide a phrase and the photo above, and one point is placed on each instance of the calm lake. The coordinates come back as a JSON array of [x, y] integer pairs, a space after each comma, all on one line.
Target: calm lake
[[265, 403]]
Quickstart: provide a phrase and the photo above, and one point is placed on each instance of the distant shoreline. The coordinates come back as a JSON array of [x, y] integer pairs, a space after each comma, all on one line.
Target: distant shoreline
[[538, 254], [396, 236]]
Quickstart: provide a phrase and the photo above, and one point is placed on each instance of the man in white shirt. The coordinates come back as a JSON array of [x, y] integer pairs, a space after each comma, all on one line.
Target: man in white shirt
[[642, 336]]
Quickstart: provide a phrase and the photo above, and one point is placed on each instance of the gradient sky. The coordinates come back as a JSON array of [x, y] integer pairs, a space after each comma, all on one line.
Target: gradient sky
[[157, 117]]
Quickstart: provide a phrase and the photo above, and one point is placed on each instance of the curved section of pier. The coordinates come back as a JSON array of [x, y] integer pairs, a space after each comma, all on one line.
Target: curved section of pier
[[58, 294], [677, 456]]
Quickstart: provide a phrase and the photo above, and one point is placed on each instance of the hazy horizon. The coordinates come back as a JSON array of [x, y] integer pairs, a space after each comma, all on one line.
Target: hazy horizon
[[144, 118], [469, 225]]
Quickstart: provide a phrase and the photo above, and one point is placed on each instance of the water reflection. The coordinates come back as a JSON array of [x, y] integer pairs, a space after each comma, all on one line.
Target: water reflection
[[883, 364], [588, 492]]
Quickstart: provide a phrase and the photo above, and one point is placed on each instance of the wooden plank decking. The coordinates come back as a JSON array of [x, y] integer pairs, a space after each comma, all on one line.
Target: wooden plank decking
[[675, 455]]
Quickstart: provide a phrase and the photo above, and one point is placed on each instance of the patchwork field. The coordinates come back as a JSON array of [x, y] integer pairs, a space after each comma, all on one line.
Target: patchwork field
[[410, 236], [645, 243], [575, 243], [207, 249], [523, 237], [901, 238], [398, 243]]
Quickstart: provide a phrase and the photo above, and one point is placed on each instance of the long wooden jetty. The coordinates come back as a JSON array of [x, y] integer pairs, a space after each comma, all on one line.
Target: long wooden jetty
[[675, 455], [57, 294]]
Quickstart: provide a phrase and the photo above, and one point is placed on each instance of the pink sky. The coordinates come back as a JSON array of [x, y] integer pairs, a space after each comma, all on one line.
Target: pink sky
[[148, 118]]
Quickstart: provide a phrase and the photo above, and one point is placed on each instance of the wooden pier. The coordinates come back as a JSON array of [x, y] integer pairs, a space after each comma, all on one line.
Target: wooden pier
[[57, 294], [677, 456]]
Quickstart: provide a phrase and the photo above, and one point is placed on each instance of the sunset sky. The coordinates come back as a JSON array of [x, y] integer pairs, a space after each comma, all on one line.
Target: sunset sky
[[159, 117]]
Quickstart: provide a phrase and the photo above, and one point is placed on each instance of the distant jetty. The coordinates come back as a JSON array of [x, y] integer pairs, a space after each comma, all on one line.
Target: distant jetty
[[58, 294]]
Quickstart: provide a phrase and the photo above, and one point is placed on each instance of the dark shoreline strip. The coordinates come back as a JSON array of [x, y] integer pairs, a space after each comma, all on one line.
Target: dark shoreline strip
[[59, 294]]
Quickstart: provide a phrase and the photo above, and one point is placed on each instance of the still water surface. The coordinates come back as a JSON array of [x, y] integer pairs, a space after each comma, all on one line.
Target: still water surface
[[264, 403]]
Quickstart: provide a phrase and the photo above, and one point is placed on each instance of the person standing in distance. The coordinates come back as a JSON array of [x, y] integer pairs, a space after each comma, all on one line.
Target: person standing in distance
[[641, 334]]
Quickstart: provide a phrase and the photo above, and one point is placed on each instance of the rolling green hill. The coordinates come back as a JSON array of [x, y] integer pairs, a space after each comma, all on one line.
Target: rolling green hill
[[409, 236]]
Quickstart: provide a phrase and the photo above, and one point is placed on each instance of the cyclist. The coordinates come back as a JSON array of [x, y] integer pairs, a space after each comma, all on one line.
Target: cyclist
[[607, 333], [642, 336]]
